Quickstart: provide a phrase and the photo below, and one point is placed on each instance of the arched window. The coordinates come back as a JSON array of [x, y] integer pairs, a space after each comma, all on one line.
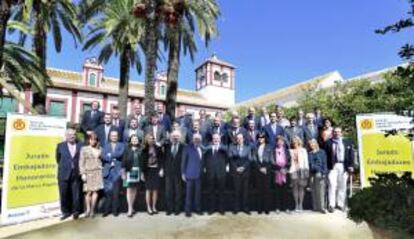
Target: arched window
[[217, 76], [225, 78], [92, 79]]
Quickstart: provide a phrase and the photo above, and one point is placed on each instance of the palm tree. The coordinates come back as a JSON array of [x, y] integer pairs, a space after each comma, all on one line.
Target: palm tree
[[179, 35], [49, 16], [120, 33]]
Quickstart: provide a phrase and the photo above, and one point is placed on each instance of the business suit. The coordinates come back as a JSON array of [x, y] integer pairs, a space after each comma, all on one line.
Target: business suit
[[240, 157], [128, 132], [112, 163], [161, 134], [273, 131], [165, 121], [191, 164], [91, 120], [221, 130], [173, 182], [69, 179], [340, 157], [120, 124], [142, 120], [297, 131], [310, 132], [251, 117], [185, 121], [215, 162], [251, 138], [102, 132], [263, 155], [232, 133]]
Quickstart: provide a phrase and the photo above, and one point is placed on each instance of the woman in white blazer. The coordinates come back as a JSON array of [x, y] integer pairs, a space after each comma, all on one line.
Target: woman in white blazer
[[299, 171]]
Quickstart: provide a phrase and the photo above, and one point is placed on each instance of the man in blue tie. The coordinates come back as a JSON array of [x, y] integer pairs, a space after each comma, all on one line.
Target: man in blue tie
[[191, 164]]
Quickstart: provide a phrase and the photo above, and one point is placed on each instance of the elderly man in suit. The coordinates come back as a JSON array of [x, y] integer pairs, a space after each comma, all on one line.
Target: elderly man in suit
[[310, 129], [102, 131], [172, 167], [215, 163], [163, 118], [252, 132], [91, 119], [191, 164], [216, 128], [184, 119], [69, 181], [137, 114], [204, 121], [280, 115], [273, 130], [251, 115], [234, 130], [157, 130], [264, 118], [112, 155], [340, 160], [294, 130], [183, 131], [240, 158]]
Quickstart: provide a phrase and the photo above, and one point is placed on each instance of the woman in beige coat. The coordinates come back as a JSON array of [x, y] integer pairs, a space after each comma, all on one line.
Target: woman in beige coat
[[90, 168]]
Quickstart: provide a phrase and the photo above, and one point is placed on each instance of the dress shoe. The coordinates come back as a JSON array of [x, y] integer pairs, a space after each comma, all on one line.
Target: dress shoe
[[222, 212], [247, 212], [177, 213], [267, 212], [188, 214], [168, 213], [116, 214], [323, 211], [330, 209], [64, 216], [235, 212], [75, 216], [200, 213], [130, 215], [105, 214], [210, 212]]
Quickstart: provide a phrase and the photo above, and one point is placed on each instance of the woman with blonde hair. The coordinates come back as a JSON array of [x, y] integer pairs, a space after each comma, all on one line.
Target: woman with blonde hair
[[299, 171], [90, 168]]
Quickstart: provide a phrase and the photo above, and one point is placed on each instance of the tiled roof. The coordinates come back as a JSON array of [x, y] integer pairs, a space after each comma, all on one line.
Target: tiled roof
[[215, 59]]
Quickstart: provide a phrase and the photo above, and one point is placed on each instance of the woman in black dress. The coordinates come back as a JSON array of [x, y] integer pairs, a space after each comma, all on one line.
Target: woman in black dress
[[132, 165], [152, 155]]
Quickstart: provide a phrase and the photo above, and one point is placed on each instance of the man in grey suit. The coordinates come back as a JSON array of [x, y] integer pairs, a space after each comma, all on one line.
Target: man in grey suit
[[294, 130], [137, 114], [311, 129], [133, 129], [156, 130]]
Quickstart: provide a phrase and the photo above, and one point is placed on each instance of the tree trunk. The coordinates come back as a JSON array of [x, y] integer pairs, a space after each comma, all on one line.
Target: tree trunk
[[4, 17], [172, 75], [124, 82], [39, 47], [151, 58]]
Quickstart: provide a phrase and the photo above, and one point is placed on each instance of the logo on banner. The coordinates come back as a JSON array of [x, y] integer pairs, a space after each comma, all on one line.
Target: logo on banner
[[19, 124], [367, 124]]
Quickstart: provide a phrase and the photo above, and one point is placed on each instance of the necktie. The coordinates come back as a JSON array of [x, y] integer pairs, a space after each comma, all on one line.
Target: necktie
[[175, 150]]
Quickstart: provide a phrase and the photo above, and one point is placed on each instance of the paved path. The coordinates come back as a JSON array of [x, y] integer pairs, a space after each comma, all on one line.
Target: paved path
[[307, 225]]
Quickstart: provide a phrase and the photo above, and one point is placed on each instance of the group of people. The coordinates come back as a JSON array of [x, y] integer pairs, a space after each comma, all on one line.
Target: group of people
[[304, 152]]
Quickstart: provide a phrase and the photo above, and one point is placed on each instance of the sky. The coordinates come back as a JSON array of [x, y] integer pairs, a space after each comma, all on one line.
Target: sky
[[277, 43]]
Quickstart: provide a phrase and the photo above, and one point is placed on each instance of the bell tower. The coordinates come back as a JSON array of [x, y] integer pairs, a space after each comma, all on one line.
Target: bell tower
[[215, 80]]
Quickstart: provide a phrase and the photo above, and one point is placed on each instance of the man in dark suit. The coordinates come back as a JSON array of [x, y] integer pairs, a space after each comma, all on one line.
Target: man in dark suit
[[217, 128], [234, 130], [340, 161], [163, 118], [185, 119], [137, 114], [102, 131], [91, 119], [215, 163], [191, 173], [205, 124], [294, 130], [264, 119], [119, 123], [273, 129], [133, 129], [240, 157], [318, 117], [69, 181], [112, 155], [157, 130], [251, 115], [252, 133], [172, 168]]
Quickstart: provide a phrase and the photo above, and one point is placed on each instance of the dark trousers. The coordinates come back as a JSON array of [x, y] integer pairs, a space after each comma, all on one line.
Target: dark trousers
[[241, 189], [112, 195], [173, 192], [70, 195], [216, 187], [262, 186], [193, 195], [284, 201]]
